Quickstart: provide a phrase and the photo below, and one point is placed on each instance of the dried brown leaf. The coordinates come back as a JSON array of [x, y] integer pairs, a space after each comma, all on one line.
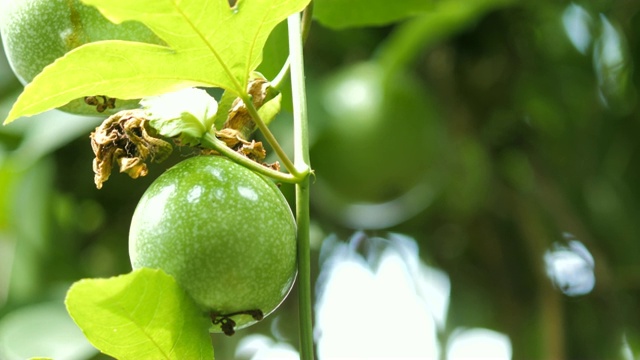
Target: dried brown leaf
[[126, 139]]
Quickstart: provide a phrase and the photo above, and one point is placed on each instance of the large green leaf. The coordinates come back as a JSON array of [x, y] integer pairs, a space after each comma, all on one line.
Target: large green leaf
[[339, 14], [141, 315], [209, 44]]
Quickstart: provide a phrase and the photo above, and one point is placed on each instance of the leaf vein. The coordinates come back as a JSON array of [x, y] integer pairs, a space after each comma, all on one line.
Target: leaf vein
[[239, 88]]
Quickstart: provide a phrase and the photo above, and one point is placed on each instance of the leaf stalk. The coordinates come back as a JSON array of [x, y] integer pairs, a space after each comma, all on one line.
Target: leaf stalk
[[271, 139]]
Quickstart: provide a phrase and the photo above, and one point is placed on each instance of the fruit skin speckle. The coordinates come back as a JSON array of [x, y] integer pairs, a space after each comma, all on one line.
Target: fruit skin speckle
[[224, 232]]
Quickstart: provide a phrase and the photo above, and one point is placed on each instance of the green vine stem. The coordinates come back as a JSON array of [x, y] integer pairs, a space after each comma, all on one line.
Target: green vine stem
[[211, 142], [279, 80], [301, 158], [299, 170]]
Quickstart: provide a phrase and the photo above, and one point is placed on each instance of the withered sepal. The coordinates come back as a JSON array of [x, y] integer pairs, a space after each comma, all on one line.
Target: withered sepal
[[127, 139], [238, 117]]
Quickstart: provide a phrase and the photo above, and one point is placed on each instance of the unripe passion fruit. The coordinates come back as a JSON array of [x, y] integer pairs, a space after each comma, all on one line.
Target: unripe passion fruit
[[380, 134], [376, 157], [224, 232], [37, 32]]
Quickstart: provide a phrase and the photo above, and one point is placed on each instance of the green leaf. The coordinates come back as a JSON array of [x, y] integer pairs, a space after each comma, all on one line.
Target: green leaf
[[209, 44], [276, 53], [267, 111], [340, 14], [141, 315], [270, 109], [186, 114], [225, 104]]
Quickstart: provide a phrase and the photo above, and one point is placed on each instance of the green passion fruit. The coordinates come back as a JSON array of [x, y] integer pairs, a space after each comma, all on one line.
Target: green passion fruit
[[379, 145], [224, 232], [37, 32]]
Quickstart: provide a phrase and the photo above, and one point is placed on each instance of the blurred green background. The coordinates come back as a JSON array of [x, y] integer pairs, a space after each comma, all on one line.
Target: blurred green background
[[500, 136]]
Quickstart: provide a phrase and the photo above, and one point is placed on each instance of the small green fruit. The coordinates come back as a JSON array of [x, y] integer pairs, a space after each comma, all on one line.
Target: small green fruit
[[380, 137], [224, 232], [37, 32]]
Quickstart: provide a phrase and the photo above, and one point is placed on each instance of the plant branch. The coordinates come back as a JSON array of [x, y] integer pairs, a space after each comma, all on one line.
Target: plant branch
[[282, 76], [211, 142], [301, 158], [307, 17], [271, 139], [305, 301]]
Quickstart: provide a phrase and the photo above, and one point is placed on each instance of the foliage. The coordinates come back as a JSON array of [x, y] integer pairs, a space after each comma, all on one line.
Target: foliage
[[210, 44], [537, 126], [141, 315]]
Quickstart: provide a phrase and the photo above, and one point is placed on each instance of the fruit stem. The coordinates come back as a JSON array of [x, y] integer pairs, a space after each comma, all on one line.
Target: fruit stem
[[271, 139], [301, 158], [210, 141]]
